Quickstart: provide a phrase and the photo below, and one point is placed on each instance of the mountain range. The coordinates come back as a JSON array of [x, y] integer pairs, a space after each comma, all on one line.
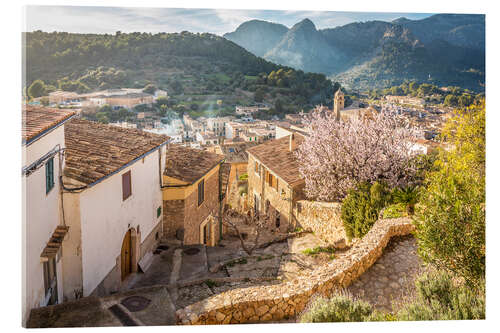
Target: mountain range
[[444, 49]]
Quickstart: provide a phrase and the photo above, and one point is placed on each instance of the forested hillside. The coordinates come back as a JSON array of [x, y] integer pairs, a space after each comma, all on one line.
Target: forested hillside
[[185, 64], [443, 49]]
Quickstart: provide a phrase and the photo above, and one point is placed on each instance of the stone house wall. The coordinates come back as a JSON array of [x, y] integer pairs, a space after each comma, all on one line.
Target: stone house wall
[[194, 215], [173, 217], [322, 218], [280, 201], [287, 299]]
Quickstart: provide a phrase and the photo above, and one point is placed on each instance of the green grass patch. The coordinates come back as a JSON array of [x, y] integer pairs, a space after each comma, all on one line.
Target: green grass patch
[[394, 211], [241, 261], [319, 249], [210, 283]]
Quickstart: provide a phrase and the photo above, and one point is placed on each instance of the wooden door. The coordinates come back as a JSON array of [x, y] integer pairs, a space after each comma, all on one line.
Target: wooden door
[[126, 255]]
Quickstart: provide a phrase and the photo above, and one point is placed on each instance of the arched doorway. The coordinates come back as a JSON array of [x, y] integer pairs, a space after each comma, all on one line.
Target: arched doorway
[[126, 254]]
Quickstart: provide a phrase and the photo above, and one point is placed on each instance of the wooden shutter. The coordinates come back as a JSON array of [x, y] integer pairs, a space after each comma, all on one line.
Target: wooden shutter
[[126, 185], [49, 175]]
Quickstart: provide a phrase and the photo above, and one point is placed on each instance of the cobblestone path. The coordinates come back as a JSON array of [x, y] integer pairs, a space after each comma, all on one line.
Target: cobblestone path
[[391, 278]]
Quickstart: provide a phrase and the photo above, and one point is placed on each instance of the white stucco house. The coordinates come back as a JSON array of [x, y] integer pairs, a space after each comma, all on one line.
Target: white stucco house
[[42, 223], [112, 204]]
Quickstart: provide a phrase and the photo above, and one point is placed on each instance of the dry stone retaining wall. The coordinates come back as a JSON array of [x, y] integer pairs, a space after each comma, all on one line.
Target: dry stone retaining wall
[[275, 302], [322, 218]]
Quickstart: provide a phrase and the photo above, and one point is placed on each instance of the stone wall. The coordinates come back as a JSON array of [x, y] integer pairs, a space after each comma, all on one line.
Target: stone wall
[[194, 215], [173, 217], [287, 299], [322, 218], [279, 200]]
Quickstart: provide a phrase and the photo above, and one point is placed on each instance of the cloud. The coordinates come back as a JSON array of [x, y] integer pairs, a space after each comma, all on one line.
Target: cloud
[[82, 19]]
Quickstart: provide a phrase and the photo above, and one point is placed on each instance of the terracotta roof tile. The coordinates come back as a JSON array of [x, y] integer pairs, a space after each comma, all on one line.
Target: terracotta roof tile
[[95, 150], [37, 119], [277, 157], [189, 164]]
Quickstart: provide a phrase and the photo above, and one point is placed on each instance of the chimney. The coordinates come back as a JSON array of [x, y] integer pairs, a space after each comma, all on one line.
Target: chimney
[[292, 143]]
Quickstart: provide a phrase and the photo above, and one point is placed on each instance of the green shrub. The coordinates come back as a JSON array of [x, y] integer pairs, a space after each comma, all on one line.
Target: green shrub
[[406, 196], [244, 176], [361, 207], [394, 211], [339, 308], [439, 298], [451, 216], [210, 283]]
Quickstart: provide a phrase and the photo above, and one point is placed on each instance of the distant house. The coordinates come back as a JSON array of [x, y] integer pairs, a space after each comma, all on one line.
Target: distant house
[[112, 204], [248, 110], [44, 229], [274, 181], [60, 97], [191, 196], [159, 93], [207, 138], [129, 100], [218, 125], [236, 159]]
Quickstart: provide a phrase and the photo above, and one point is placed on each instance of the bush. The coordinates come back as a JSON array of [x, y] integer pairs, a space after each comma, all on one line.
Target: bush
[[450, 220], [439, 298], [407, 197], [394, 211], [361, 208], [340, 308], [244, 176]]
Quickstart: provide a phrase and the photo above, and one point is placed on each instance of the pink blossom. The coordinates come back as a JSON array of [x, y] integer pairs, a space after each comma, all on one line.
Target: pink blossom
[[336, 155]]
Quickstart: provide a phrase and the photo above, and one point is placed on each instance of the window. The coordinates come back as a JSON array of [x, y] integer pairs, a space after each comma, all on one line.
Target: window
[[49, 175], [201, 192], [257, 169], [158, 211], [126, 185], [272, 180]]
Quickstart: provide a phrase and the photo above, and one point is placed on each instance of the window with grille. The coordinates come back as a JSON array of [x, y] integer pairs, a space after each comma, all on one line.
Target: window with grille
[[126, 185]]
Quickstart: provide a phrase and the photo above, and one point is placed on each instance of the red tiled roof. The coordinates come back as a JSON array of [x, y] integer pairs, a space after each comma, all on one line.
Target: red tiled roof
[[95, 150], [188, 164], [277, 157], [37, 119]]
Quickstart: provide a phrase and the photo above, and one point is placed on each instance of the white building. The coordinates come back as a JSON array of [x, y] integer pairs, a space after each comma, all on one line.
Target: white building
[[43, 226], [218, 125], [112, 204], [207, 138]]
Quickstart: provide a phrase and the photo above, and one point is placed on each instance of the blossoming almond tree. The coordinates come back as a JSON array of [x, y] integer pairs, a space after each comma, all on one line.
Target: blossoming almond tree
[[336, 155]]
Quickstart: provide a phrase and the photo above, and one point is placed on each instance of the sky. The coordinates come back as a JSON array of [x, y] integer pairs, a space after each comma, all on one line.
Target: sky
[[80, 19]]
